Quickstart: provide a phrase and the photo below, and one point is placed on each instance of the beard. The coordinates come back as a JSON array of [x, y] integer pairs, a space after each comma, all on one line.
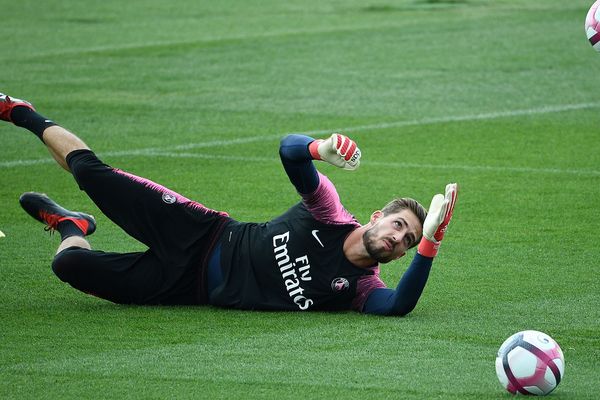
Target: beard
[[378, 254]]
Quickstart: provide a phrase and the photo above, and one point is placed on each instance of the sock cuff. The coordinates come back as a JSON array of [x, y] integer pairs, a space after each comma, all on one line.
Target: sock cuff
[[68, 228], [29, 119]]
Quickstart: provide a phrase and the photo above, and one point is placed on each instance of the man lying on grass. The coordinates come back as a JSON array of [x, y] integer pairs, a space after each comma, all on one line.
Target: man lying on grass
[[316, 256]]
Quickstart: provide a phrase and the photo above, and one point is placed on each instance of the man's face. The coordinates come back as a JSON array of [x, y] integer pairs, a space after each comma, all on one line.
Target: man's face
[[390, 236]]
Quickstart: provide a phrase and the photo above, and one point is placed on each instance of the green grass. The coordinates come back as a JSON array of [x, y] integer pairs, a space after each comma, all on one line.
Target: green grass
[[501, 96]]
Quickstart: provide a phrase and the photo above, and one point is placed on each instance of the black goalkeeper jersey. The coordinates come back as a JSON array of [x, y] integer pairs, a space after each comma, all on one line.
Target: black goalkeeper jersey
[[294, 262]]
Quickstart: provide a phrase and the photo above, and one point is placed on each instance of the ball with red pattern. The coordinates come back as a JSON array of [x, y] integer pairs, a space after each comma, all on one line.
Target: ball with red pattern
[[531, 363], [592, 25]]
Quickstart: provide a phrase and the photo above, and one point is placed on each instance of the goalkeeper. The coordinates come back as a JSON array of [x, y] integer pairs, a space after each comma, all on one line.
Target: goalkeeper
[[316, 256]]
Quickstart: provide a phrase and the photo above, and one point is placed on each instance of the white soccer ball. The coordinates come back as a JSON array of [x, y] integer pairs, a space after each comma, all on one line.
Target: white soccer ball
[[592, 25], [530, 362]]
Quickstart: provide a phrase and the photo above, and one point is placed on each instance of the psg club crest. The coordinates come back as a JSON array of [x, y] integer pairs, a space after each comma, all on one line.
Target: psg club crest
[[340, 284], [169, 198]]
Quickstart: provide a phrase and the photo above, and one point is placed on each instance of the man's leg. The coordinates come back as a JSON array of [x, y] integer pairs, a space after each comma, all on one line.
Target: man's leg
[[61, 142], [172, 226], [136, 204], [110, 194], [58, 140], [130, 278]]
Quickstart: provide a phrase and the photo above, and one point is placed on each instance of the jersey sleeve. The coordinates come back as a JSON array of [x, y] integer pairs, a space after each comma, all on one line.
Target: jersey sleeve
[[298, 162], [325, 206], [366, 284], [404, 298]]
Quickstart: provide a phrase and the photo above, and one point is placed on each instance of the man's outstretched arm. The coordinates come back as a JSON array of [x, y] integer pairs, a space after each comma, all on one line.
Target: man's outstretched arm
[[404, 298]]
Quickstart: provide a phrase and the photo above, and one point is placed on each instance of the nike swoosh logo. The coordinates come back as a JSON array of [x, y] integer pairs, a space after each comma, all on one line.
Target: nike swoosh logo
[[314, 233]]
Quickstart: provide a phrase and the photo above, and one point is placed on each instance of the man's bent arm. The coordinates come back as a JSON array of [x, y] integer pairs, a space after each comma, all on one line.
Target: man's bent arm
[[318, 193], [404, 298], [297, 162]]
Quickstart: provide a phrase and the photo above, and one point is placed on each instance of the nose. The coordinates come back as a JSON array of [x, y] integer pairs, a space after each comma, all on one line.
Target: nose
[[397, 238]]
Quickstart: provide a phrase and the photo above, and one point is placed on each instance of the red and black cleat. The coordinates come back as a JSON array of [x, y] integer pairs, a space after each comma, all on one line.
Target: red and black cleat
[[7, 103], [45, 210]]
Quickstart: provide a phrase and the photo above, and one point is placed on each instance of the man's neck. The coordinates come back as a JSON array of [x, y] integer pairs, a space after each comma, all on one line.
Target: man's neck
[[355, 250]]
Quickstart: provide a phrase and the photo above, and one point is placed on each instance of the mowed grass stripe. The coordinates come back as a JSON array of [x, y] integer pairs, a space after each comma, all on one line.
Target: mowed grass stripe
[[199, 42], [164, 152], [242, 361], [369, 18]]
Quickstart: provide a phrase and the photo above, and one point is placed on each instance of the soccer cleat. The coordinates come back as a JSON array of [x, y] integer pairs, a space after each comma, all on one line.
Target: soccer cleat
[[45, 210], [7, 103]]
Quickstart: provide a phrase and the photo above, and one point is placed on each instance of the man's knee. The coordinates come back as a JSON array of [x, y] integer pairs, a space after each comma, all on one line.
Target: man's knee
[[84, 165], [68, 262]]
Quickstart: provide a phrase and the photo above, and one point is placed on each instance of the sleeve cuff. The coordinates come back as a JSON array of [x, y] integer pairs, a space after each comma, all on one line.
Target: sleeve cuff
[[313, 148]]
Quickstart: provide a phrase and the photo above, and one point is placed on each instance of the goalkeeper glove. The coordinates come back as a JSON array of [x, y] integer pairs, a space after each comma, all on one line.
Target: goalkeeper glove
[[338, 150], [437, 220]]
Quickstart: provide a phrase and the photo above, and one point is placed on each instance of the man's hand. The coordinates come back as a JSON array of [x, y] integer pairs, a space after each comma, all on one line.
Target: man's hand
[[338, 150], [438, 218]]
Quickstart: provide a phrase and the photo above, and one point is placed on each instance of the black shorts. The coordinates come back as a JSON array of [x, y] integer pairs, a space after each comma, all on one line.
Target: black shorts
[[179, 233]]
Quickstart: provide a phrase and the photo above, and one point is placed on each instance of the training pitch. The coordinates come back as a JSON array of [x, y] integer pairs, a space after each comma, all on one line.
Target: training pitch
[[502, 97]]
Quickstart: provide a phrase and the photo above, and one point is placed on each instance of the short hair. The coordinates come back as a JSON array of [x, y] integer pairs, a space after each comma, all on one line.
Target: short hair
[[405, 203]]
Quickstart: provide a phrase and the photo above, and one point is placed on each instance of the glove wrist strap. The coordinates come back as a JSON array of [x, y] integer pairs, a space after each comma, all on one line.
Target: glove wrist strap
[[428, 248]]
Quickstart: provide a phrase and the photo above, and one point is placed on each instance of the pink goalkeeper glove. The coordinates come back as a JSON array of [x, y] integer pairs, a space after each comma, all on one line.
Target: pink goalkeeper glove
[[338, 150], [438, 218]]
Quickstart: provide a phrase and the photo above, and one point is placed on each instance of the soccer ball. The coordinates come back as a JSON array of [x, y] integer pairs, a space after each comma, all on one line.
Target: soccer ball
[[592, 25], [530, 362]]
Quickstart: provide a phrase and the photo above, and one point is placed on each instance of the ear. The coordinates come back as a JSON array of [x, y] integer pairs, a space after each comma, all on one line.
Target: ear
[[401, 255], [375, 216]]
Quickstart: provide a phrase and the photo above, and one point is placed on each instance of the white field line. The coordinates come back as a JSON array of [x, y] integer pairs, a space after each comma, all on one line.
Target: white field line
[[396, 124], [390, 164], [580, 172], [173, 151]]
